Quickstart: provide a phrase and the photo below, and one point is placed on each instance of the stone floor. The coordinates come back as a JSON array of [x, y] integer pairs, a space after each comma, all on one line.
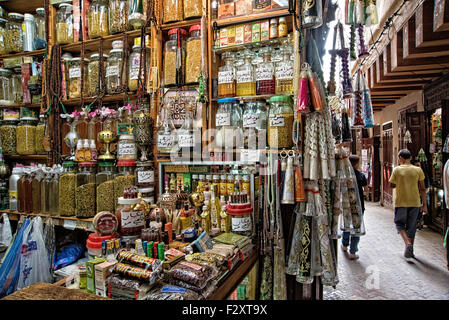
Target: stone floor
[[382, 272]]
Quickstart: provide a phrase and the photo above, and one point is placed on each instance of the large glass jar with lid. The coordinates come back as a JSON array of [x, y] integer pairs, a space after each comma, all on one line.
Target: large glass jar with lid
[[226, 76], [118, 16], [173, 10], [54, 193], [174, 69], [134, 67], [113, 76], [40, 41], [255, 124], [94, 71], [16, 86], [131, 218], [14, 33], [193, 54], [192, 8], [40, 133], [75, 78], [67, 187], [245, 76], [85, 193], [3, 44], [136, 17], [26, 136], [98, 24], [265, 83], [228, 124], [189, 138], [126, 147], [8, 136], [280, 122], [5, 87], [124, 177], [64, 24], [284, 72], [105, 186], [145, 174], [166, 134]]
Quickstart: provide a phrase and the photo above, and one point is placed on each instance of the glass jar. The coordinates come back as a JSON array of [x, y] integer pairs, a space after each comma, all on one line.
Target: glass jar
[[126, 147], [105, 186], [28, 188], [14, 33], [98, 25], [113, 68], [226, 76], [280, 123], [245, 77], [75, 77], [13, 188], [40, 133], [54, 194], [126, 125], [67, 189], [193, 54], [8, 136], [189, 138], [284, 72], [40, 41], [134, 67], [228, 124], [26, 137], [5, 87], [29, 32], [192, 8], [3, 36], [147, 194], [166, 136], [136, 17], [85, 196], [64, 24], [145, 174], [131, 221], [124, 177], [255, 125], [173, 10], [36, 188], [118, 16], [174, 69], [16, 86], [265, 83], [93, 70], [45, 192]]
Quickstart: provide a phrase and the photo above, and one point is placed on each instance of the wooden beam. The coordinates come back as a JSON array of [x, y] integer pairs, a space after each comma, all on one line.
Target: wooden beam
[[424, 27], [441, 16]]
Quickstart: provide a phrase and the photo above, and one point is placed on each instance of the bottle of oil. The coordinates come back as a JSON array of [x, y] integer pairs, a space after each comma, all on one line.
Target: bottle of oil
[[245, 75], [230, 185], [205, 218]]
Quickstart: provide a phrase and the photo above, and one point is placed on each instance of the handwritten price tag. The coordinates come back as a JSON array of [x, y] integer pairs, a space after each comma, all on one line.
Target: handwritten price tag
[[145, 176], [131, 219], [277, 121], [244, 76], [225, 77], [223, 119], [165, 141], [284, 72], [251, 120], [186, 141], [264, 73], [249, 155], [241, 224]]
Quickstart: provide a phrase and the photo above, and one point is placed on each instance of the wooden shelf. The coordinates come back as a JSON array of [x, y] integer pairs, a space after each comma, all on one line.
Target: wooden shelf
[[22, 6], [106, 99], [13, 106], [251, 45], [252, 17], [26, 157], [180, 24], [262, 96], [23, 54]]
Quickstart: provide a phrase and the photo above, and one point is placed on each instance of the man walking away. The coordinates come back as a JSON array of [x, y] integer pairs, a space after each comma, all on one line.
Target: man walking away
[[347, 239], [406, 178]]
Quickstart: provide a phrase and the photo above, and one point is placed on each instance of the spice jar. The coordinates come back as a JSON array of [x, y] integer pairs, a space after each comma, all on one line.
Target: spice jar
[[126, 147], [64, 24], [5, 87], [85, 196], [93, 71], [3, 36], [166, 136], [67, 189], [274, 28], [192, 9], [14, 33], [136, 17], [265, 83], [173, 10], [26, 136], [118, 16], [228, 123], [124, 177], [98, 25], [245, 77], [16, 86], [284, 72], [134, 68], [174, 69], [8, 136], [255, 124], [282, 28], [113, 76], [54, 193], [280, 123], [193, 54], [36, 188], [29, 28], [105, 186], [40, 41], [40, 132], [226, 76], [130, 216], [145, 174], [75, 77]]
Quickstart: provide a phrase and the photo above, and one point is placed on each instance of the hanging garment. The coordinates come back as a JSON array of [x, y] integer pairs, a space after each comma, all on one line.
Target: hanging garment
[[294, 257]]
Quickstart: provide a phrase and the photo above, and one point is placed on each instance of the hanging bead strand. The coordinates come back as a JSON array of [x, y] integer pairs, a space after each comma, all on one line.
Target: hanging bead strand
[[363, 52]]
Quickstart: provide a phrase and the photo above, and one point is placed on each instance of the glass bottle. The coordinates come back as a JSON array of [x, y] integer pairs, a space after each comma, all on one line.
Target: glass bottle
[[118, 16], [67, 188], [21, 191], [136, 15], [280, 123], [54, 193], [189, 138], [113, 76], [284, 72], [40, 133], [245, 77], [104, 180], [230, 186], [166, 136], [194, 182], [16, 86], [45, 192], [85, 193], [13, 188], [29, 35], [5, 87], [223, 186], [98, 25], [14, 33], [134, 67], [28, 187], [64, 24], [145, 174], [265, 83], [40, 41], [228, 124], [226, 76]]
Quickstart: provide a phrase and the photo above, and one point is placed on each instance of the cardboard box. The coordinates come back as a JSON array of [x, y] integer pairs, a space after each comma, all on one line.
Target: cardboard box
[[239, 34], [231, 36], [226, 10], [90, 271], [223, 37], [255, 31], [265, 30], [247, 33], [243, 7], [102, 272]]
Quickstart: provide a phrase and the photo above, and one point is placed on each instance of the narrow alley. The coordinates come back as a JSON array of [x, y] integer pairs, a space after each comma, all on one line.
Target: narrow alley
[[382, 272]]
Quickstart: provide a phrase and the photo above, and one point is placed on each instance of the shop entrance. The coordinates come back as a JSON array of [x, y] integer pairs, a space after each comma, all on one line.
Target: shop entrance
[[387, 162]]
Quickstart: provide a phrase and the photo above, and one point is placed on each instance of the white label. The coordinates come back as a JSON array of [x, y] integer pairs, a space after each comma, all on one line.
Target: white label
[[247, 155], [70, 224], [251, 120], [75, 72], [244, 76], [112, 71], [284, 72], [134, 74], [126, 148], [165, 141], [225, 77], [186, 141], [222, 119], [145, 176], [277, 121], [241, 224], [264, 73], [132, 219]]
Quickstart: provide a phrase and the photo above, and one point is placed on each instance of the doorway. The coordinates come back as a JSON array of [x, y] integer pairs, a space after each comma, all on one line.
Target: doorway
[[387, 162]]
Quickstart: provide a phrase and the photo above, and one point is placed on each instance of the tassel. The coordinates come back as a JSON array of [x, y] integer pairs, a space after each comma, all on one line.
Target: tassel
[[349, 11], [371, 17], [368, 116], [317, 101], [363, 52], [357, 120], [352, 53], [303, 97], [300, 195], [345, 129], [288, 190], [331, 86]]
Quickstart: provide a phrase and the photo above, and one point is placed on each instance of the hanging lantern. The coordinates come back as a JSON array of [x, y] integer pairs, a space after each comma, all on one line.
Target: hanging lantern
[[407, 137], [312, 14], [345, 128], [421, 157]]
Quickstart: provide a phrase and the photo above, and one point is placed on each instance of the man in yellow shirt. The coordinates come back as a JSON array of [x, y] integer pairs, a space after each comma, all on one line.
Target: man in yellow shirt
[[406, 178]]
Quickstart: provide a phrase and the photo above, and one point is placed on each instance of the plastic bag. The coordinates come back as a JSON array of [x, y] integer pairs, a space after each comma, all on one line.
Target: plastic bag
[[205, 292], [193, 273], [34, 260], [68, 255], [167, 292], [5, 233]]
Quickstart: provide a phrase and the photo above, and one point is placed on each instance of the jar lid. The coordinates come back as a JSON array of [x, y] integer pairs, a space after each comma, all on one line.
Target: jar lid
[[194, 176], [97, 55], [28, 119], [145, 163], [126, 137], [216, 176], [145, 190], [223, 176], [16, 15], [137, 46], [28, 16], [175, 30], [117, 44], [68, 5], [106, 164], [282, 19], [274, 20], [87, 164], [79, 59], [40, 10], [195, 27], [122, 200], [3, 20], [286, 99], [228, 100], [68, 164], [126, 163], [118, 50]]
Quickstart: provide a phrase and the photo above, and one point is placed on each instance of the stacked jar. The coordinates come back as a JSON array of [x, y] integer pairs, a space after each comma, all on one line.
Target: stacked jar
[[174, 73], [93, 70], [8, 138], [134, 68], [255, 124], [67, 189], [114, 67], [26, 136], [75, 75], [173, 10], [105, 186], [193, 54], [98, 24], [40, 41], [14, 33], [280, 124], [85, 193], [3, 36], [228, 124], [118, 16], [40, 133], [124, 177], [6, 97], [145, 180], [64, 24]]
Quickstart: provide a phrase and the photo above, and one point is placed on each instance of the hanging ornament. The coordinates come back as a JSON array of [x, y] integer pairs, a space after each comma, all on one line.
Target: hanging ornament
[[352, 53], [349, 10], [371, 17], [331, 86], [312, 14], [288, 190], [359, 13], [407, 137], [315, 92], [357, 121], [303, 96], [201, 89], [363, 52], [421, 157], [368, 116], [343, 53], [345, 128]]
